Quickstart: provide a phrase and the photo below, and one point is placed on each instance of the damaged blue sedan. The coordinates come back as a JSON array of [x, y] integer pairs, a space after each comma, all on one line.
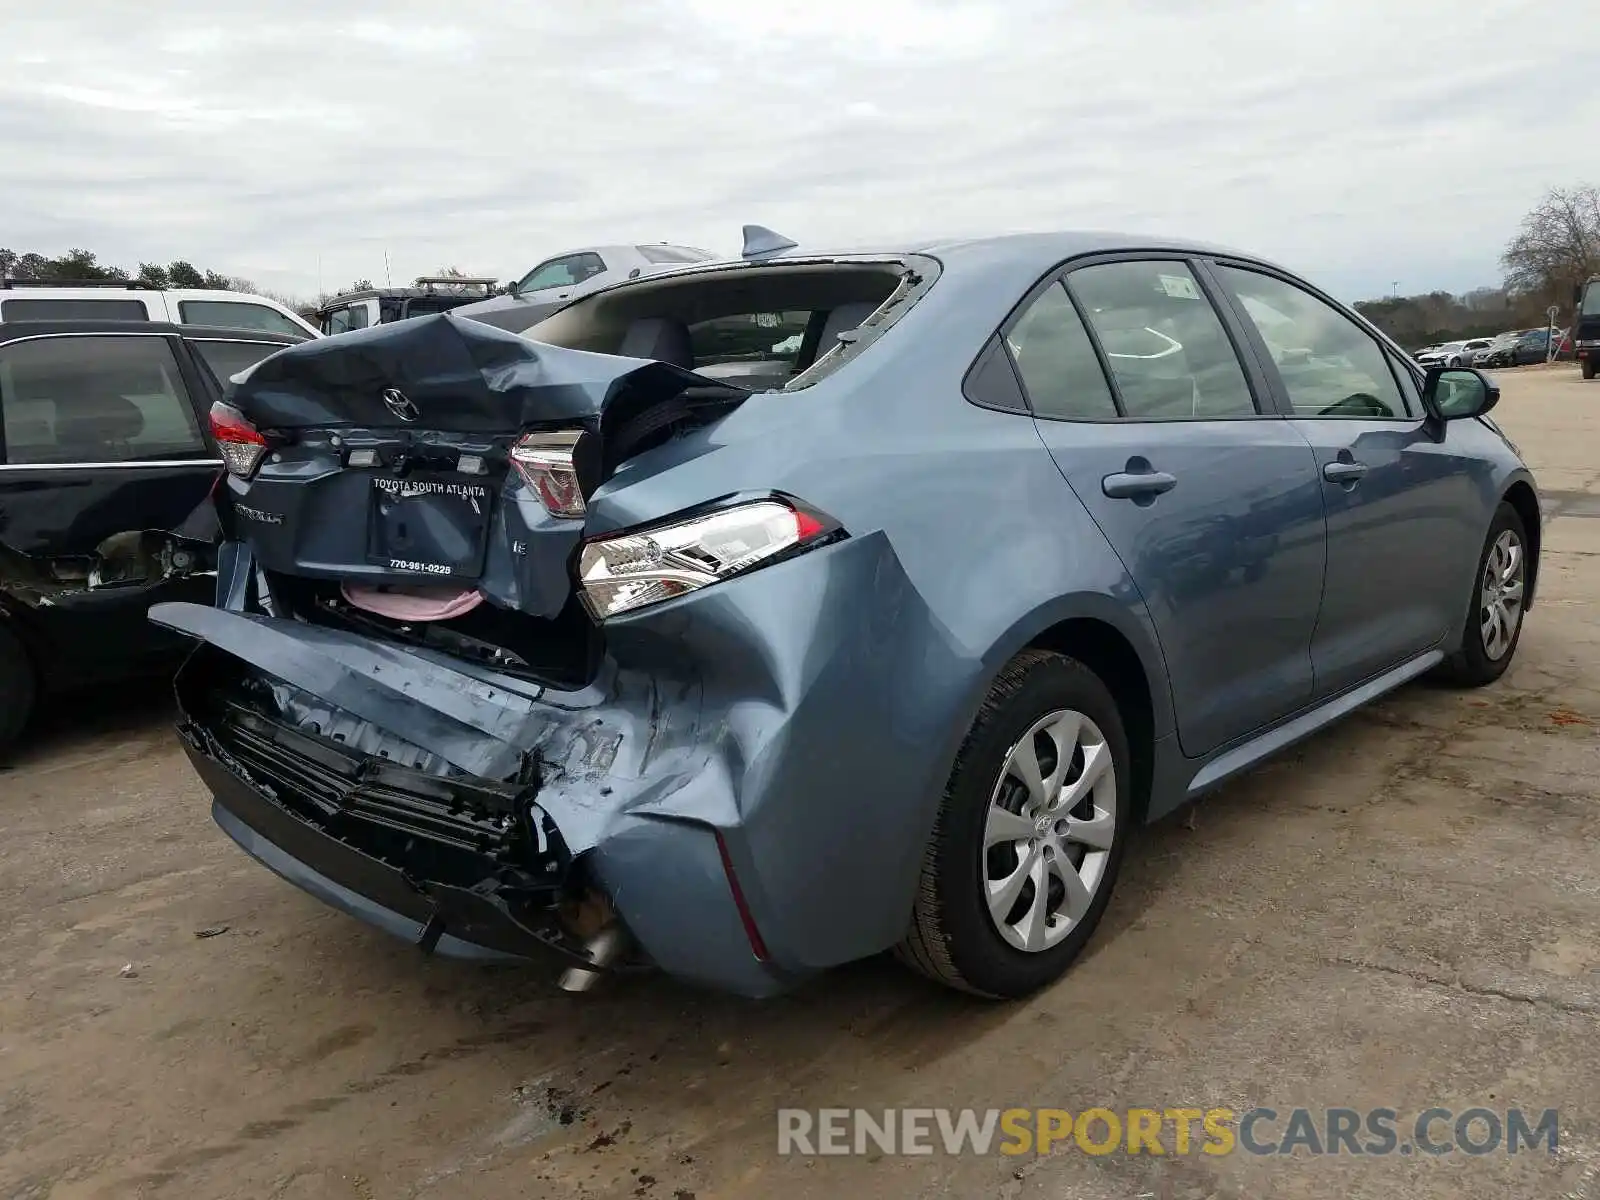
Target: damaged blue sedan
[[759, 616]]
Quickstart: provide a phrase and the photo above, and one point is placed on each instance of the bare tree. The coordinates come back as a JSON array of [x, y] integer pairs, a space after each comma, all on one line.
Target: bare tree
[[1557, 244]]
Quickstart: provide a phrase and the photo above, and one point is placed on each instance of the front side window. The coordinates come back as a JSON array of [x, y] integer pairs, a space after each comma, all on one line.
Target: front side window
[[95, 400], [342, 320], [1169, 354], [1057, 362], [1329, 365], [85, 309], [561, 272], [235, 314], [1591, 299]]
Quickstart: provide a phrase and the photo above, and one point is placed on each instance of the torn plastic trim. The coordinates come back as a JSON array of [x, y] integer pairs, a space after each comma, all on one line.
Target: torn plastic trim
[[623, 742], [131, 559]]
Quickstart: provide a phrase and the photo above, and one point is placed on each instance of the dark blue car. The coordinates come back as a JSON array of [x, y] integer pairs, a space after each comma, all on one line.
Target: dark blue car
[[758, 616]]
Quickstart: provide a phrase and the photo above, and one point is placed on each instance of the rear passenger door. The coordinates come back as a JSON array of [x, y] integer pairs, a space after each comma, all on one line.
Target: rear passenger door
[[1208, 496], [1400, 496], [106, 476]]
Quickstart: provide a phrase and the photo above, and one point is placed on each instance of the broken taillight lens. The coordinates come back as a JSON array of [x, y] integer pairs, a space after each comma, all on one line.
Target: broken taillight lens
[[240, 443], [630, 570], [544, 460]]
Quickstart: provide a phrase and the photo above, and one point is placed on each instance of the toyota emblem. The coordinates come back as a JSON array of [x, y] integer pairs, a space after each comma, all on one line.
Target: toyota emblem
[[400, 404]]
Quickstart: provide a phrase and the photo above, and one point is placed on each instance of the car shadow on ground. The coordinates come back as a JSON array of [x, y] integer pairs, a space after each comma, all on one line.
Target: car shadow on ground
[[67, 726]]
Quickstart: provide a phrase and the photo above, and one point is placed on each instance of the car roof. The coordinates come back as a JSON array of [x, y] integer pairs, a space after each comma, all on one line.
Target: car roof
[[12, 330], [1014, 256], [1022, 249]]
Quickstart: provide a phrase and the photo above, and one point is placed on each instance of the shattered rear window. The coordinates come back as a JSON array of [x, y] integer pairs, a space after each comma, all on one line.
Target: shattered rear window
[[762, 326]]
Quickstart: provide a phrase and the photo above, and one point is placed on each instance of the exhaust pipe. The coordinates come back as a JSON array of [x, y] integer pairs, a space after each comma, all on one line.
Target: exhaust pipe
[[604, 949]]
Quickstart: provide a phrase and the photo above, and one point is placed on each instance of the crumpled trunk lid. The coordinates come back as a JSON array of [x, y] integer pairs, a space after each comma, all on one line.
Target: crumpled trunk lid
[[389, 461]]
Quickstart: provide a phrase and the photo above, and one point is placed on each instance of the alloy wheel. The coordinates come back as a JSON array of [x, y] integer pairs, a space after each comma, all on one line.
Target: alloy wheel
[[1504, 578], [1049, 831]]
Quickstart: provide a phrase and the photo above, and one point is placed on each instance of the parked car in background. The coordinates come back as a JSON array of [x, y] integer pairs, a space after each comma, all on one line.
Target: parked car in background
[[1532, 347], [124, 300], [379, 306], [533, 649], [107, 468], [1586, 325], [1498, 352], [1472, 349], [1446, 354], [574, 273]]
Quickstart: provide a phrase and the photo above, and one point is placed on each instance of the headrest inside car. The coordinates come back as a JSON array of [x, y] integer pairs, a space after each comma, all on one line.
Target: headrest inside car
[[661, 338]]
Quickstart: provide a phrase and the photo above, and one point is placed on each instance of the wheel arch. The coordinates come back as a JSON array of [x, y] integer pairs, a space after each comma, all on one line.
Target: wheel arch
[[1104, 649], [1116, 641], [1521, 496]]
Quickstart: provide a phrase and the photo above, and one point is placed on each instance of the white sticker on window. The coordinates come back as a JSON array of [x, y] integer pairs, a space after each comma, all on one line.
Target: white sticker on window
[[1179, 287]]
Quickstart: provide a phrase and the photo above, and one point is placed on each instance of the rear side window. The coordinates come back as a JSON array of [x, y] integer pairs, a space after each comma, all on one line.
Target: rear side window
[[1329, 365], [95, 400], [227, 359], [89, 309], [1057, 362], [671, 254], [235, 314], [1166, 346]]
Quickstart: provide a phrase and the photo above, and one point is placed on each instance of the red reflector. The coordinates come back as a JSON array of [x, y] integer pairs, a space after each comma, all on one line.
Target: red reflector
[[806, 526], [757, 946]]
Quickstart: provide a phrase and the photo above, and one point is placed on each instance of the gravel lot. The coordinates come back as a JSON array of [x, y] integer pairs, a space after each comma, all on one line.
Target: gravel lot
[[1402, 913]]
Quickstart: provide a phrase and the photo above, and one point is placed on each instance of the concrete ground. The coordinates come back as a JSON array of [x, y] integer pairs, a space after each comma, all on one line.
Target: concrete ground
[[1404, 913]]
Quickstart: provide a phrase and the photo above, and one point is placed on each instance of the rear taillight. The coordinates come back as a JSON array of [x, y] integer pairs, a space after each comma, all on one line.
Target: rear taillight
[[631, 570], [240, 443], [544, 460]]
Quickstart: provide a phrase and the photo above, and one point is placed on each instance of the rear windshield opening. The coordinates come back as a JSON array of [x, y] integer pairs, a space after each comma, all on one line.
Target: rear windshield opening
[[758, 327]]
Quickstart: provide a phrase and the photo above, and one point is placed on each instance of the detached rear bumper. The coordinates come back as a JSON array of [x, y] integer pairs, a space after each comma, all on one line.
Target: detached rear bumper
[[343, 876], [457, 864]]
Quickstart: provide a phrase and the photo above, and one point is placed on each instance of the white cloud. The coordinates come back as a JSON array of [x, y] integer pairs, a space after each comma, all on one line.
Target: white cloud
[[1363, 141]]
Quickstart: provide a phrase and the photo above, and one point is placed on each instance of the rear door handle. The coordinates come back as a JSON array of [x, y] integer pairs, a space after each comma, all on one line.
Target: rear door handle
[[1128, 485], [1343, 472]]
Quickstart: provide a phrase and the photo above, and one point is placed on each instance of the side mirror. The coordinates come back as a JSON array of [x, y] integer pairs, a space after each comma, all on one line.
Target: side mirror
[[1452, 394]]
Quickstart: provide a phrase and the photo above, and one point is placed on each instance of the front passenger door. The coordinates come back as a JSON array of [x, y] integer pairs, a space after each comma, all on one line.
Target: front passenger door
[[1210, 502], [1399, 496]]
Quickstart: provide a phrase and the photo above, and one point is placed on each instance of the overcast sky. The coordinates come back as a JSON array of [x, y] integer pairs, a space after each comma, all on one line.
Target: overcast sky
[[291, 142]]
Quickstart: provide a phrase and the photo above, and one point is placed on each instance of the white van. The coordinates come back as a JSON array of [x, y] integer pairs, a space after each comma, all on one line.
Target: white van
[[122, 300]]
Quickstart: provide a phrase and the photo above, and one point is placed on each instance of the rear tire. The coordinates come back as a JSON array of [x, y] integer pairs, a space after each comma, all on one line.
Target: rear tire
[[1499, 596], [17, 690], [1016, 876], [1588, 368]]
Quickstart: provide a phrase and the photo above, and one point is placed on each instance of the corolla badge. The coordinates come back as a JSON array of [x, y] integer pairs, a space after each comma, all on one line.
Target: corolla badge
[[400, 404]]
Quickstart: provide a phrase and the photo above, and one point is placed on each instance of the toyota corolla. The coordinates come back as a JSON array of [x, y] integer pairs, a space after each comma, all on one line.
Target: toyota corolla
[[765, 615]]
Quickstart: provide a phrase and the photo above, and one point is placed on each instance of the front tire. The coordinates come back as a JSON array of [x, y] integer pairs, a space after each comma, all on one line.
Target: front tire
[[17, 688], [1030, 834], [1499, 595]]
